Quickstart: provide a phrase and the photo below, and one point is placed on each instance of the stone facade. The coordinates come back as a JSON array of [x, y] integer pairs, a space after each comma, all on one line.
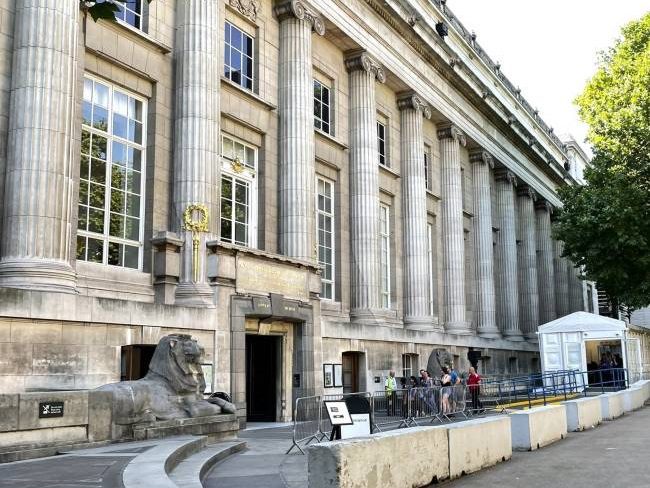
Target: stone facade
[[397, 219]]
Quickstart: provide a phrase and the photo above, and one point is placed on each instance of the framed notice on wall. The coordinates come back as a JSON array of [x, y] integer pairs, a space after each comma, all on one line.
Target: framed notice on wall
[[338, 375], [328, 375]]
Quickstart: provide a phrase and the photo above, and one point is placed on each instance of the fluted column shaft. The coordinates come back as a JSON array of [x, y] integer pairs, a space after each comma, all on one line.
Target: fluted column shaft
[[39, 181], [417, 310], [196, 139], [364, 184], [296, 138], [486, 300], [560, 269], [576, 292], [506, 257], [453, 238], [545, 270], [528, 294]]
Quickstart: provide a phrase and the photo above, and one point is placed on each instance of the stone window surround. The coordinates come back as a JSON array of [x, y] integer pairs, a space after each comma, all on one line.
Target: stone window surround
[[132, 6], [143, 170]]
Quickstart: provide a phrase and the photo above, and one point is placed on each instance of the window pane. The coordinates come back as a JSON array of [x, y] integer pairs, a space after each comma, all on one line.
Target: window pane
[[131, 255], [100, 118], [119, 153], [117, 201], [114, 254], [86, 113], [134, 159], [120, 124], [95, 251], [133, 181], [83, 192], [241, 233], [117, 225], [133, 205], [118, 177], [226, 230], [97, 195], [81, 248], [132, 229], [98, 147], [100, 96], [83, 217], [120, 103]]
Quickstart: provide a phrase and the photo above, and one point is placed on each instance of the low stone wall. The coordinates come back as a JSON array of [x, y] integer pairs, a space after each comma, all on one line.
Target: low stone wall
[[478, 444], [643, 385], [611, 405], [633, 398], [538, 427], [404, 458], [87, 417], [583, 413]]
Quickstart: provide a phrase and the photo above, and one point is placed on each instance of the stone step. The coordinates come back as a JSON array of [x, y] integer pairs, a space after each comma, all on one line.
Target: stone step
[[152, 467], [190, 472]]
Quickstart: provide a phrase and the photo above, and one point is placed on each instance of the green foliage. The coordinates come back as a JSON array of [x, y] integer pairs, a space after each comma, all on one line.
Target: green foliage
[[103, 9], [606, 224]]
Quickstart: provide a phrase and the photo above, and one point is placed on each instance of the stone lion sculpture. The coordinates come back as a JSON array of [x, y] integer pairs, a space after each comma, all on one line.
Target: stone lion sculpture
[[172, 389], [437, 359]]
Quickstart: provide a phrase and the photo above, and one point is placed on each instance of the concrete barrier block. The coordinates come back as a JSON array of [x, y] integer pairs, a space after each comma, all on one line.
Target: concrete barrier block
[[399, 459], [477, 444], [538, 427], [645, 386], [583, 413], [611, 406], [633, 398]]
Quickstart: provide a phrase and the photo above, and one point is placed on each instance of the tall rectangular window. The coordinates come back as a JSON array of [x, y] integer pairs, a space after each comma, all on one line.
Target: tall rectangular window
[[130, 12], [381, 144], [238, 192], [409, 365], [427, 168], [384, 255], [326, 236], [238, 56], [323, 108], [430, 266], [111, 176]]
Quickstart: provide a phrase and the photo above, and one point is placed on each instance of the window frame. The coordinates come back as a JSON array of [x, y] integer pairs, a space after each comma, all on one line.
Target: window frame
[[110, 137], [428, 180], [430, 267], [382, 144], [246, 174], [329, 105], [411, 359], [332, 216], [120, 15], [384, 267], [228, 47]]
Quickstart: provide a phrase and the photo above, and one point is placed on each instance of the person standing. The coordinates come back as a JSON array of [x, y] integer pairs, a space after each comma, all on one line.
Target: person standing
[[473, 383], [390, 385]]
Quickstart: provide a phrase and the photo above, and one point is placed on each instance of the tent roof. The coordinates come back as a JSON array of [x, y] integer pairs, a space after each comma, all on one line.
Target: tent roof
[[582, 322]]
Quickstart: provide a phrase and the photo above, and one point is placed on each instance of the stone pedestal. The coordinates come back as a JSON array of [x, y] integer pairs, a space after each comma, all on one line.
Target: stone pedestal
[[545, 269], [453, 237], [527, 257], [486, 300], [417, 310], [506, 257], [296, 138], [196, 139], [364, 184], [36, 248]]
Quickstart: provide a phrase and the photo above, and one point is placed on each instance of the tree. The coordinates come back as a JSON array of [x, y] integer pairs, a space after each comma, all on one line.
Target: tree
[[103, 9], [605, 224]]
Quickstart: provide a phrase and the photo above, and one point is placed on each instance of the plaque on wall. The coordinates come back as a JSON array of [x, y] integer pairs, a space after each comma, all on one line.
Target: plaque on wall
[[328, 375], [338, 375], [48, 410]]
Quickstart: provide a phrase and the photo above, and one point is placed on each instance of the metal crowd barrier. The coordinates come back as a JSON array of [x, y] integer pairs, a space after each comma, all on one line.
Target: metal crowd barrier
[[390, 409], [306, 422], [452, 401]]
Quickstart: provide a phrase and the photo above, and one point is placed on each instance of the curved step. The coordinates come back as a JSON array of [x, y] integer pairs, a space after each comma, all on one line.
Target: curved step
[[190, 472], [152, 467]]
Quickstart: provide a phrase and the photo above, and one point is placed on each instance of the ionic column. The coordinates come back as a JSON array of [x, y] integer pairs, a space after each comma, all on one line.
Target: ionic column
[[296, 138], [528, 296], [545, 270], [364, 183], [36, 235], [486, 303], [453, 238], [196, 141], [560, 270], [506, 256], [417, 311]]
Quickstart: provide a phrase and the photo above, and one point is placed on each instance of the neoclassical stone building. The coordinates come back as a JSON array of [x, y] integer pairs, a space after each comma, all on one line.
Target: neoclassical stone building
[[319, 192]]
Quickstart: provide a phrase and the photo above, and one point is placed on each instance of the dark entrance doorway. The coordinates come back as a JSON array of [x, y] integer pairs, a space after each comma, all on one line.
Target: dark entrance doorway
[[135, 361], [350, 372], [262, 367]]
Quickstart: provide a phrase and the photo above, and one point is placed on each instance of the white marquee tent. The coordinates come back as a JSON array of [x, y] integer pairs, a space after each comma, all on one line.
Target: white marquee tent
[[569, 342]]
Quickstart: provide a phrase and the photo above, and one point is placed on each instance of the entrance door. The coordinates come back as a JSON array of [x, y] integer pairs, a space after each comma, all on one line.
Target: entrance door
[[350, 372], [262, 359], [135, 361]]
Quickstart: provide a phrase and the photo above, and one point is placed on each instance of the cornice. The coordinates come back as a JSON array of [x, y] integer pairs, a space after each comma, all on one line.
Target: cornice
[[300, 10], [362, 61]]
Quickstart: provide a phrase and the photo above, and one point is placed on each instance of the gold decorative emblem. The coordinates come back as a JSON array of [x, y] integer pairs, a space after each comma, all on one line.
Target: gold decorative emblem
[[237, 166], [195, 218]]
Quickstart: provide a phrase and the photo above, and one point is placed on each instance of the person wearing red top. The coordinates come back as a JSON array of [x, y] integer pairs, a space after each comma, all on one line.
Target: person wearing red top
[[473, 382]]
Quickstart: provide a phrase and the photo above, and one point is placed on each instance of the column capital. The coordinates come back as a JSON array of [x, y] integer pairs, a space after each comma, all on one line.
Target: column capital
[[412, 100], [452, 132], [362, 61], [285, 9], [545, 205], [481, 156], [504, 174], [525, 190]]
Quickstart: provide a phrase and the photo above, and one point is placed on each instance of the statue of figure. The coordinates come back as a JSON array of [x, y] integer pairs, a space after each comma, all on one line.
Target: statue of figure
[[437, 359], [172, 389]]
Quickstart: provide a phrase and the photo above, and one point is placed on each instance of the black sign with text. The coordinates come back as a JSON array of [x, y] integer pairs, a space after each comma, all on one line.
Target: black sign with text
[[48, 410]]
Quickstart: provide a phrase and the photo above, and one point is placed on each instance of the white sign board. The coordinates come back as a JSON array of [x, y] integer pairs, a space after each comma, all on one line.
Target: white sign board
[[338, 413], [360, 427]]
